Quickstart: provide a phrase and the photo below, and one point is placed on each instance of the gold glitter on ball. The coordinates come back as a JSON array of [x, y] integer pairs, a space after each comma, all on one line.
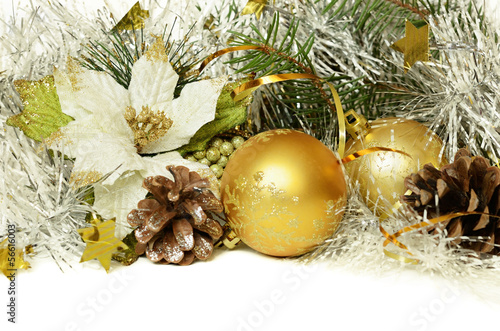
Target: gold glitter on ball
[[283, 192]]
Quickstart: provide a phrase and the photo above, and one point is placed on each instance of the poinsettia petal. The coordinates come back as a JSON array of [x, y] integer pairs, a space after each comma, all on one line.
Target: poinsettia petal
[[96, 152], [106, 155], [195, 107], [119, 199], [153, 78], [83, 92]]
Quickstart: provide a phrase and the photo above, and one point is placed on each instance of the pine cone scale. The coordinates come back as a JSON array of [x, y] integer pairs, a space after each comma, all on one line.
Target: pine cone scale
[[187, 259], [151, 184], [202, 246], [490, 182], [212, 227], [209, 202], [195, 210], [155, 253], [143, 234], [171, 249], [183, 232], [484, 220], [473, 202], [158, 220], [140, 248]]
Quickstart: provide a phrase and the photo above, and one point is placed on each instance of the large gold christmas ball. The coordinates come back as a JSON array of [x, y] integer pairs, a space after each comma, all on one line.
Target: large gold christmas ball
[[283, 192], [381, 175]]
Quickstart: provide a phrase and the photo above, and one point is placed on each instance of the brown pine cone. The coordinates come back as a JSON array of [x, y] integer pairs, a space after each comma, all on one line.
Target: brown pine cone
[[466, 185], [173, 224]]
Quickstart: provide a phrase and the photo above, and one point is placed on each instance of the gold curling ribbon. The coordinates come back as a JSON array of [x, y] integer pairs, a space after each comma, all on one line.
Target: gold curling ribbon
[[392, 238], [370, 150], [225, 51], [247, 88], [401, 258]]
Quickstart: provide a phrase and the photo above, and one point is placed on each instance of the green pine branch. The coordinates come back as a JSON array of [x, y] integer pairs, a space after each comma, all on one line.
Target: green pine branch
[[291, 102], [124, 48], [374, 18]]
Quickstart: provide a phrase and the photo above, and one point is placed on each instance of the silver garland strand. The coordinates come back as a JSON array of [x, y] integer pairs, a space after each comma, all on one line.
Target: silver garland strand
[[457, 93], [35, 194]]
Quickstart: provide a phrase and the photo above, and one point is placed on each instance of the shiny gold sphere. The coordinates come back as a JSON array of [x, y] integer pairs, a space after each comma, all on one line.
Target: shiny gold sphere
[[381, 175], [283, 192]]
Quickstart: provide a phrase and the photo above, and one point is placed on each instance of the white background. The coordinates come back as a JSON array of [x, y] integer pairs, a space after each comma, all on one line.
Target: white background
[[235, 290]]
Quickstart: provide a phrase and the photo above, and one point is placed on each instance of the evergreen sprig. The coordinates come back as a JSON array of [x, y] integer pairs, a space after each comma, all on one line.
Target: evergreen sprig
[[125, 47], [374, 18], [279, 52], [294, 103]]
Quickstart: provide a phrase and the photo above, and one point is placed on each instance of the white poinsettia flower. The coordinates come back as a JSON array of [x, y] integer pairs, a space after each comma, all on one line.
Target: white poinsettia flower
[[115, 127]]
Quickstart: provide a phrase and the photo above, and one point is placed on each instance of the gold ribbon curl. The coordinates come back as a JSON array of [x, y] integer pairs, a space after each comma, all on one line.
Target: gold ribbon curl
[[392, 238], [247, 88], [370, 150], [215, 55]]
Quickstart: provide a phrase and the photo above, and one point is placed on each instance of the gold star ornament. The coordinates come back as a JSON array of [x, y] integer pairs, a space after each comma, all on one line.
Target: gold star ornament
[[254, 7], [134, 19], [414, 46], [101, 242], [12, 258]]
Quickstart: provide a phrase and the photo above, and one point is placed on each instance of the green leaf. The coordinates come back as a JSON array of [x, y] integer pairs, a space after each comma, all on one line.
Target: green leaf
[[228, 114], [42, 114]]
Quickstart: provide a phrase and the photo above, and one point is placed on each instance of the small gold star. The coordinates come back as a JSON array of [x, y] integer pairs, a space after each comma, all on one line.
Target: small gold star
[[415, 45], [11, 260], [101, 242], [254, 7], [134, 19]]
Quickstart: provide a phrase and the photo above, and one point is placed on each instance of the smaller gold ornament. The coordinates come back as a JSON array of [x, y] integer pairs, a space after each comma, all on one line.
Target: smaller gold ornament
[[283, 192], [381, 175]]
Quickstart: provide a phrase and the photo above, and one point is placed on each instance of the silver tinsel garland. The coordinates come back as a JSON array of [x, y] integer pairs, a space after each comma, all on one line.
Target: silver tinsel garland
[[458, 92], [35, 194], [457, 95]]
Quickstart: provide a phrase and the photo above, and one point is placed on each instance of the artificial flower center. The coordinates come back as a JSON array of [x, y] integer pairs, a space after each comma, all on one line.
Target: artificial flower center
[[148, 126]]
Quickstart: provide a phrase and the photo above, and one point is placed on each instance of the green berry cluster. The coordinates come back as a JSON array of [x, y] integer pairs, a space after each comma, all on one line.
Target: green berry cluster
[[217, 154]]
